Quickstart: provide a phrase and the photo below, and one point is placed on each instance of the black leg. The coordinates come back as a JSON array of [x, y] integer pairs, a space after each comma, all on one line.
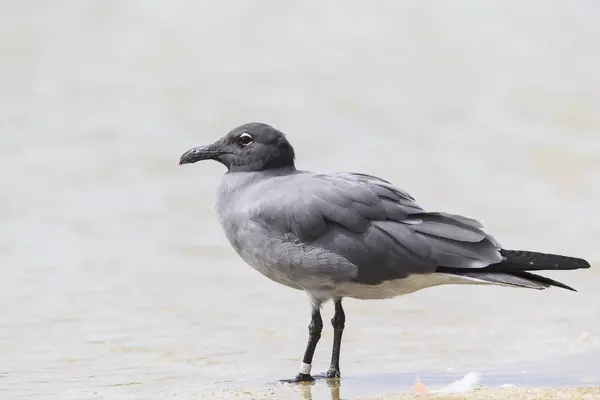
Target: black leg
[[338, 321], [314, 334]]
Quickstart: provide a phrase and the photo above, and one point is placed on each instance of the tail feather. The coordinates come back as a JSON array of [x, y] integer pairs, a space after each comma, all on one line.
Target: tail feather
[[519, 279], [542, 280], [513, 270]]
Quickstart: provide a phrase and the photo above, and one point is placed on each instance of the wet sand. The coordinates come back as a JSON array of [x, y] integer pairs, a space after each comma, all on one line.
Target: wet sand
[[588, 393], [306, 392], [580, 382]]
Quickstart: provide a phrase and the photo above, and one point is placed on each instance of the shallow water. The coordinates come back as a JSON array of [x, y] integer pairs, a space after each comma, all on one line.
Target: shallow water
[[116, 279]]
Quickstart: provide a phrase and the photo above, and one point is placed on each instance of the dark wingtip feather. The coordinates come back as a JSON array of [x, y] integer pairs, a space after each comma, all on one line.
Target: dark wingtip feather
[[534, 261]]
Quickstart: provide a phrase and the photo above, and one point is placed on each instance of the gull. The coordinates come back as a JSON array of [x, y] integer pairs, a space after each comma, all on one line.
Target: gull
[[337, 235]]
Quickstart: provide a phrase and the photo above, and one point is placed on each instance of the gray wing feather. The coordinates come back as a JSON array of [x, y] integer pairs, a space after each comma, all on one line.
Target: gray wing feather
[[458, 218], [448, 231], [397, 212], [404, 238], [353, 190], [348, 216], [382, 188], [483, 250], [371, 224]]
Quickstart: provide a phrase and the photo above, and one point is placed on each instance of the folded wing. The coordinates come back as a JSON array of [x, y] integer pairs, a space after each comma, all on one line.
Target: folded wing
[[375, 226]]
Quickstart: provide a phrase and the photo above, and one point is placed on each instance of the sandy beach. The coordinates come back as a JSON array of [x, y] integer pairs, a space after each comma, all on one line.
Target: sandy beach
[[587, 393], [304, 393]]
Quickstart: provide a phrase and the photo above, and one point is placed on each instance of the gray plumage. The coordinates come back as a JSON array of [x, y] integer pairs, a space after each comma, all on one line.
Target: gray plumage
[[350, 234], [342, 227]]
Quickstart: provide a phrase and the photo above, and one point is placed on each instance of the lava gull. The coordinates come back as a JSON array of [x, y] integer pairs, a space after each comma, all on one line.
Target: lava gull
[[336, 235]]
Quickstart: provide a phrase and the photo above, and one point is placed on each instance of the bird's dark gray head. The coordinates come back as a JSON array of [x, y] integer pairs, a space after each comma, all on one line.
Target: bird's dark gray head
[[250, 147]]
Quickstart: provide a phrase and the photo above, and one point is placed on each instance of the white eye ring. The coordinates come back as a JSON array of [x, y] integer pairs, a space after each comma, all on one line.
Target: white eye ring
[[245, 139]]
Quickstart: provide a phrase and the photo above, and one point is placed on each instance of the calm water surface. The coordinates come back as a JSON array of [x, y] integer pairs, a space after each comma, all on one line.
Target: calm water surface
[[116, 279]]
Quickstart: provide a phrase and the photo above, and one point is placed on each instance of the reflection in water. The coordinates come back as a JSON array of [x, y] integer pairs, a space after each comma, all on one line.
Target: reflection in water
[[547, 374], [306, 389]]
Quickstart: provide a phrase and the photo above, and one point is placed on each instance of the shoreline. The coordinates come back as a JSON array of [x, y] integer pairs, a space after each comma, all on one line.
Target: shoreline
[[333, 392], [521, 393]]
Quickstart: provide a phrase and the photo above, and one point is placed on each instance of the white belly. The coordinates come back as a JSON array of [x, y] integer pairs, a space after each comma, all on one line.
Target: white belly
[[398, 287]]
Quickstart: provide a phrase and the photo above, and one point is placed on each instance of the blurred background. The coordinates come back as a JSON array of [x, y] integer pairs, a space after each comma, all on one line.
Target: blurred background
[[116, 279]]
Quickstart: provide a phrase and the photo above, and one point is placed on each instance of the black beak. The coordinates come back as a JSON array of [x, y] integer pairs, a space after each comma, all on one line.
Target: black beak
[[198, 154]]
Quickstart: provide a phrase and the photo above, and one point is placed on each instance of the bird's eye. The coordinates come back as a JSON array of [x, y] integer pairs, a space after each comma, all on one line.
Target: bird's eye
[[245, 139]]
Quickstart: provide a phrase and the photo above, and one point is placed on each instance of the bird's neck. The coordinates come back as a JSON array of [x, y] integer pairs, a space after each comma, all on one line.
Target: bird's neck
[[234, 182], [273, 165], [263, 170]]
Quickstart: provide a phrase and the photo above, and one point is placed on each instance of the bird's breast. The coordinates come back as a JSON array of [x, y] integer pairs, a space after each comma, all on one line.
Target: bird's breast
[[253, 245]]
